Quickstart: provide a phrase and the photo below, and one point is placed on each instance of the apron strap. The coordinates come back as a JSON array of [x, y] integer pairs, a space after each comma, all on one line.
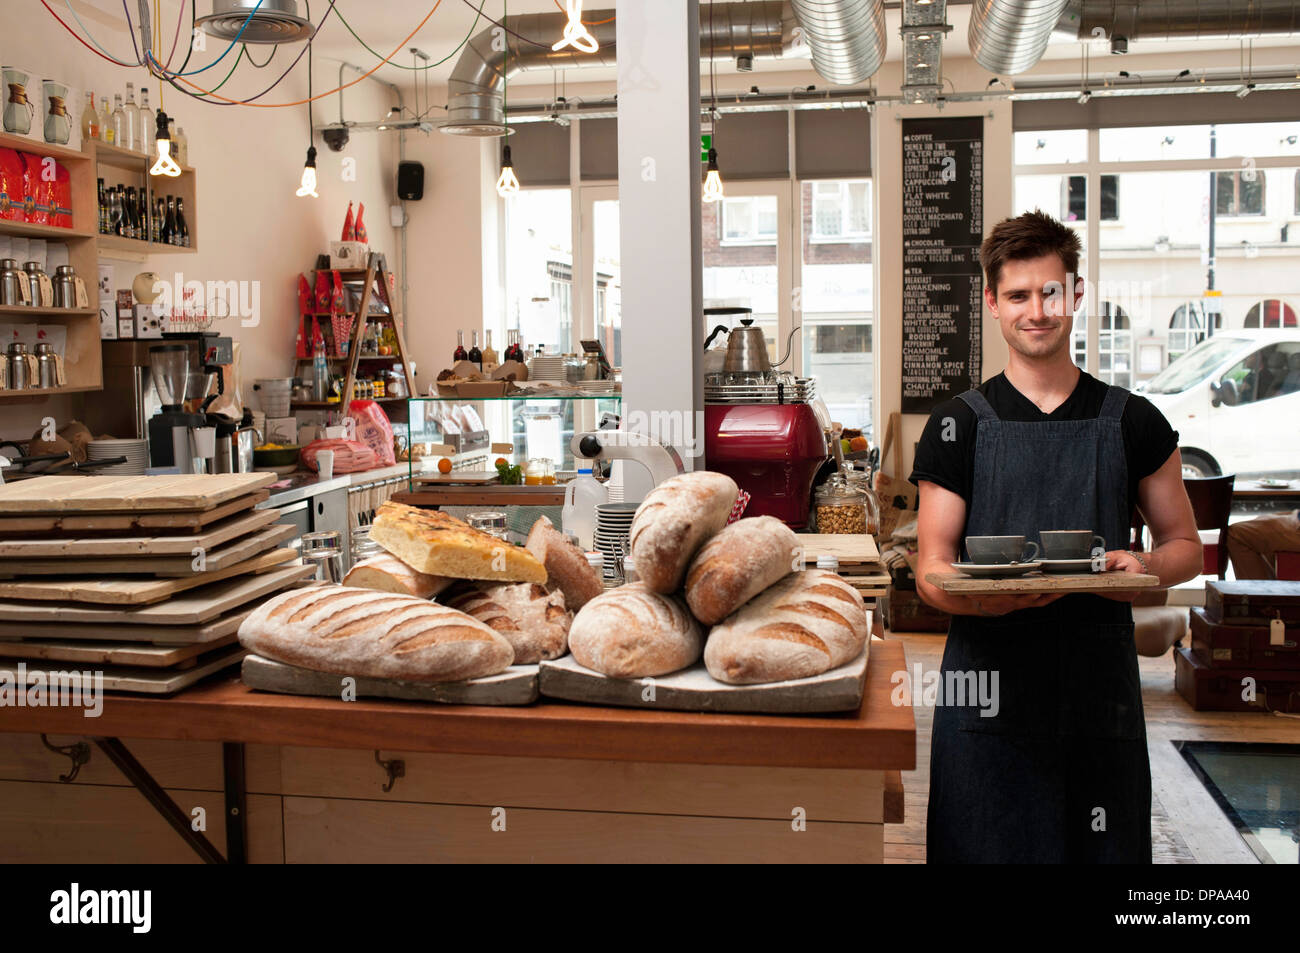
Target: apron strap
[[977, 402], [1113, 405]]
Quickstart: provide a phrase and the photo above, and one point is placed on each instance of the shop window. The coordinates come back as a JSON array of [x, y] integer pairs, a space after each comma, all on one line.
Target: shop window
[[1115, 346], [842, 339], [1188, 327], [749, 220], [1272, 371], [841, 210], [1239, 193], [1076, 199], [1270, 313]]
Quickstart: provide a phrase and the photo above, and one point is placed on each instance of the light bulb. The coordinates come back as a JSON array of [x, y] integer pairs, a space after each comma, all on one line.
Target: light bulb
[[165, 165], [575, 33], [712, 179], [308, 186], [507, 182]]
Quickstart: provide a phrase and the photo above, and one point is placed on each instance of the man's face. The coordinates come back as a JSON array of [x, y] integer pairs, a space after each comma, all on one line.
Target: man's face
[[1034, 305]]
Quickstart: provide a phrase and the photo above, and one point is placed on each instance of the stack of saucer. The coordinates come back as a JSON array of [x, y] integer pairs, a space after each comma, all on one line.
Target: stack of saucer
[[135, 451], [544, 368], [613, 524]]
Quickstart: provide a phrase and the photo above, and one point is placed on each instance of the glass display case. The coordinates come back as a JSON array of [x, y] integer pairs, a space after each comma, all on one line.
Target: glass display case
[[472, 434]]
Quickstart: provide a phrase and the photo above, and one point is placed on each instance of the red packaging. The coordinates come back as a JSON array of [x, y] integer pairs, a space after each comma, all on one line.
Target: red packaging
[[374, 430], [61, 210], [360, 228], [12, 170], [349, 234], [38, 193], [349, 455]]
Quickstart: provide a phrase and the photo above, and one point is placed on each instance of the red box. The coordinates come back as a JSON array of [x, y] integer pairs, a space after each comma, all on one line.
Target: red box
[[1253, 601], [1242, 646], [1221, 689]]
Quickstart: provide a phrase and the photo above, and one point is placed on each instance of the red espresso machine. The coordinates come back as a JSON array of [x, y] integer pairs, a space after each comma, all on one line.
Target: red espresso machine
[[760, 430]]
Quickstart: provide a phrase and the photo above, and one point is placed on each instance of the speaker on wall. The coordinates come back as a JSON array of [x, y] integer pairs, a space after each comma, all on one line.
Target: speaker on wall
[[410, 181]]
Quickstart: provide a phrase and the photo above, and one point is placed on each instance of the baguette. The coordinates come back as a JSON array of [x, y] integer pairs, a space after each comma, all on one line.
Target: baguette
[[566, 566], [674, 521], [432, 542], [737, 564], [808, 623], [632, 632], [361, 632], [387, 573], [533, 620]]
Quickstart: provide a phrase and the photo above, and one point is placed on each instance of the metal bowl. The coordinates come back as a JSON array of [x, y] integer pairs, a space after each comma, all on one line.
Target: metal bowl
[[285, 456]]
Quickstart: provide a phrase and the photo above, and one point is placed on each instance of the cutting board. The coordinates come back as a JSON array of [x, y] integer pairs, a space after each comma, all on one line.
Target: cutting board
[[115, 653], [964, 585], [242, 524], [849, 548], [517, 685], [192, 491], [120, 632], [468, 478], [181, 565], [179, 613], [178, 522], [129, 678], [694, 689], [124, 590]]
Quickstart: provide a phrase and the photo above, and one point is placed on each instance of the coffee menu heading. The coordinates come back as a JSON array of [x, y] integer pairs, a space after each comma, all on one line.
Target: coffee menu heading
[[943, 226]]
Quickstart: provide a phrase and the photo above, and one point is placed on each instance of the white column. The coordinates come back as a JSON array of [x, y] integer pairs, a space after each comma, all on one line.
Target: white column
[[659, 224]]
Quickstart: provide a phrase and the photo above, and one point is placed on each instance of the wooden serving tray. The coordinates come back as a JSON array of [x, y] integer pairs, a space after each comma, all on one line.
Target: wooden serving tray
[[517, 685], [849, 548], [144, 543], [121, 633], [1036, 582], [79, 494], [191, 521], [116, 653], [138, 679], [468, 478]]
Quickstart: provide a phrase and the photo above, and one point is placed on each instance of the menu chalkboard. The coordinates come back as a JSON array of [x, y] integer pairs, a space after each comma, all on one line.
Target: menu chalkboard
[[943, 286]]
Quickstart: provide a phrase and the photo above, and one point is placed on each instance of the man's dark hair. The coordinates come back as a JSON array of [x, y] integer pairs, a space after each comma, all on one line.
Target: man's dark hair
[[1031, 235]]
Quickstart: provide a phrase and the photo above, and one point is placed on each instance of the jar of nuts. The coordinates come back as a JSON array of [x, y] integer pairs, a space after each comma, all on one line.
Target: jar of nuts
[[841, 508]]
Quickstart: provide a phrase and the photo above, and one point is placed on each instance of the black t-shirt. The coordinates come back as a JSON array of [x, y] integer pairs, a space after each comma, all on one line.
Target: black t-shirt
[[1148, 438]]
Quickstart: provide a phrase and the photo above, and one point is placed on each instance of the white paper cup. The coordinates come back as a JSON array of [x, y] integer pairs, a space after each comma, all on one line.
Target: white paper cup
[[325, 464], [205, 442]]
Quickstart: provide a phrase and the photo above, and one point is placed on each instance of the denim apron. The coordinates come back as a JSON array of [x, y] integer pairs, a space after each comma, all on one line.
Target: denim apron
[[1060, 773]]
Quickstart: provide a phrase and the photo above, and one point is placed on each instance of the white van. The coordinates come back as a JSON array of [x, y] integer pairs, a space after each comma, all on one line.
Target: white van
[[1235, 401]]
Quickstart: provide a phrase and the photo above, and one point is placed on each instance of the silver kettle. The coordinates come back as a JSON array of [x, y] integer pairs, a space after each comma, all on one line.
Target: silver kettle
[[747, 350]]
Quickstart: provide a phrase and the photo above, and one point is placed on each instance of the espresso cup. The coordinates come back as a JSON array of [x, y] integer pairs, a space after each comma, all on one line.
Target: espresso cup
[[1000, 549], [1070, 543]]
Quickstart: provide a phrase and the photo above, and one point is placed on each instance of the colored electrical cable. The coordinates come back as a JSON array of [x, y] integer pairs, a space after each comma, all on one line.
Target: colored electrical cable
[[68, 4], [501, 23], [276, 49], [75, 36], [177, 37], [587, 22], [478, 14], [247, 20]]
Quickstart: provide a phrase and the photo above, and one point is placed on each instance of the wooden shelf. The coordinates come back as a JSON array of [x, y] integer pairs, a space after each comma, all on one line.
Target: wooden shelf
[[20, 311], [112, 243], [316, 405], [25, 144], [48, 232], [47, 391], [116, 156]]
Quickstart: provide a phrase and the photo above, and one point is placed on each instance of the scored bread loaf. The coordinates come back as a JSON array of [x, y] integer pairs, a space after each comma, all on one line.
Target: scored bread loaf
[[566, 566], [674, 521], [534, 620], [737, 564], [632, 632], [808, 623], [362, 632], [430, 541], [387, 573]]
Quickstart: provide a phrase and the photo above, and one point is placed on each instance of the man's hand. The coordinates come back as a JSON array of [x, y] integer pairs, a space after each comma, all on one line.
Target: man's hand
[[1000, 605], [1121, 560]]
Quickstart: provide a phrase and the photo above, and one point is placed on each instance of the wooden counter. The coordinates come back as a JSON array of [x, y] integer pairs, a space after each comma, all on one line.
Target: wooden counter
[[572, 782], [492, 494]]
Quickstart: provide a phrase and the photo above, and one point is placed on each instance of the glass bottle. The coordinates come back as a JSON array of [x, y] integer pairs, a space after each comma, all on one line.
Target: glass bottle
[[460, 353], [132, 223], [169, 225], [147, 123], [475, 355], [130, 121], [115, 212], [90, 120], [103, 208], [489, 353], [105, 121], [119, 122], [182, 230], [182, 147], [159, 220]]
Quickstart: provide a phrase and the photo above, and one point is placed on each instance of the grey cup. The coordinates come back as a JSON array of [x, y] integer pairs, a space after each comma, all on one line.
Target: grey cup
[[1070, 543], [1000, 549]]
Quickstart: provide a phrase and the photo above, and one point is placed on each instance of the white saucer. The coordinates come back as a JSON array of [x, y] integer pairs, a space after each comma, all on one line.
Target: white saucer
[[1066, 565], [996, 570]]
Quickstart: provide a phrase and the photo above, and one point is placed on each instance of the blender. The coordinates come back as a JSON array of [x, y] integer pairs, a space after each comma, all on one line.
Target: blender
[[171, 430]]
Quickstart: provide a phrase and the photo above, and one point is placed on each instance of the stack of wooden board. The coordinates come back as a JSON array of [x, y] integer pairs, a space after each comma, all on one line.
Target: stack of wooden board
[[859, 558], [144, 578], [1245, 652]]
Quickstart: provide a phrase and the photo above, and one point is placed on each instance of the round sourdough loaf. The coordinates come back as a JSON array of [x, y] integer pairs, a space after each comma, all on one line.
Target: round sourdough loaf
[[387, 573], [362, 632], [737, 564], [632, 632], [533, 619], [674, 521], [808, 623]]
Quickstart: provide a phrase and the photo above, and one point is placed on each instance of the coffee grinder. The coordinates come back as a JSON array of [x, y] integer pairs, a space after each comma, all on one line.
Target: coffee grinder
[[171, 437]]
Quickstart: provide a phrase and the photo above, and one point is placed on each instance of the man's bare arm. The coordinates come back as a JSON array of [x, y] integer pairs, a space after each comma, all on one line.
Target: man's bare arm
[[1176, 555]]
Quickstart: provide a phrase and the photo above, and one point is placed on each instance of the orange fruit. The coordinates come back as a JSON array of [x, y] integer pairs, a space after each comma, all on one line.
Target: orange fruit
[[858, 443], [444, 465], [502, 462]]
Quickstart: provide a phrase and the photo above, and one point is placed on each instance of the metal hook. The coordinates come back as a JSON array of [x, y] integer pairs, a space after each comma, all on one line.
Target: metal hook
[[78, 754], [395, 768]]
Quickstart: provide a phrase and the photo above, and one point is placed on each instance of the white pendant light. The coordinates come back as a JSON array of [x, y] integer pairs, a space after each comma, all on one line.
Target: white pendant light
[[308, 186], [165, 165], [507, 182], [712, 179], [576, 34]]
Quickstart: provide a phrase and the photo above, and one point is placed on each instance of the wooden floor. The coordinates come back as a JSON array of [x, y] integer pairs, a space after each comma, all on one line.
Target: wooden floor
[[1187, 827]]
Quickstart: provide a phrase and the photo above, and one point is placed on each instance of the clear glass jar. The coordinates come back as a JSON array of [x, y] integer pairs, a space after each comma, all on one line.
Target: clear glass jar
[[492, 522], [861, 480], [841, 508], [363, 547]]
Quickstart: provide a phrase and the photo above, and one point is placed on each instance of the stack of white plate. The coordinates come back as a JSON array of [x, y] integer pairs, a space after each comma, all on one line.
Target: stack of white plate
[[546, 368], [601, 387], [613, 524], [135, 451]]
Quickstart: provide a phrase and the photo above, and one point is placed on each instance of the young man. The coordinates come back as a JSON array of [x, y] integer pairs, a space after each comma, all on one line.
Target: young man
[[1060, 772]]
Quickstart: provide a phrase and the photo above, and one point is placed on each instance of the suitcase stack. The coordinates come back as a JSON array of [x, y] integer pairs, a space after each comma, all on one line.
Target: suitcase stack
[[1245, 652]]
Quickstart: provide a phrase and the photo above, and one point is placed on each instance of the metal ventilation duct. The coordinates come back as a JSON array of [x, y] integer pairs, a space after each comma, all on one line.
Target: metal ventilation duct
[[923, 30], [275, 21], [764, 29], [1009, 36], [847, 37], [1182, 19]]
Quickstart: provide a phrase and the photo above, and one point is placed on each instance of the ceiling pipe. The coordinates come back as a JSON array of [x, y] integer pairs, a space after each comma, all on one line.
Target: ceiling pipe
[[1178, 19], [1009, 36], [847, 37]]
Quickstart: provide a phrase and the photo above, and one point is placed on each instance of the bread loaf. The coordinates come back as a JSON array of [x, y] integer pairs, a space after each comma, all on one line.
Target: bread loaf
[[432, 542], [674, 521], [808, 623], [387, 573], [632, 632], [566, 566], [534, 620], [362, 632], [737, 564]]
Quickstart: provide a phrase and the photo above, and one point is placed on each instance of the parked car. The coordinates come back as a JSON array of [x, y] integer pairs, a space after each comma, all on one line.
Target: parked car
[[1235, 401]]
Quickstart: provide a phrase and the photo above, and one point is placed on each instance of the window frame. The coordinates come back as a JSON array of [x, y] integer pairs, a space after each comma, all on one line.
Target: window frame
[[755, 237], [846, 236], [1236, 193]]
